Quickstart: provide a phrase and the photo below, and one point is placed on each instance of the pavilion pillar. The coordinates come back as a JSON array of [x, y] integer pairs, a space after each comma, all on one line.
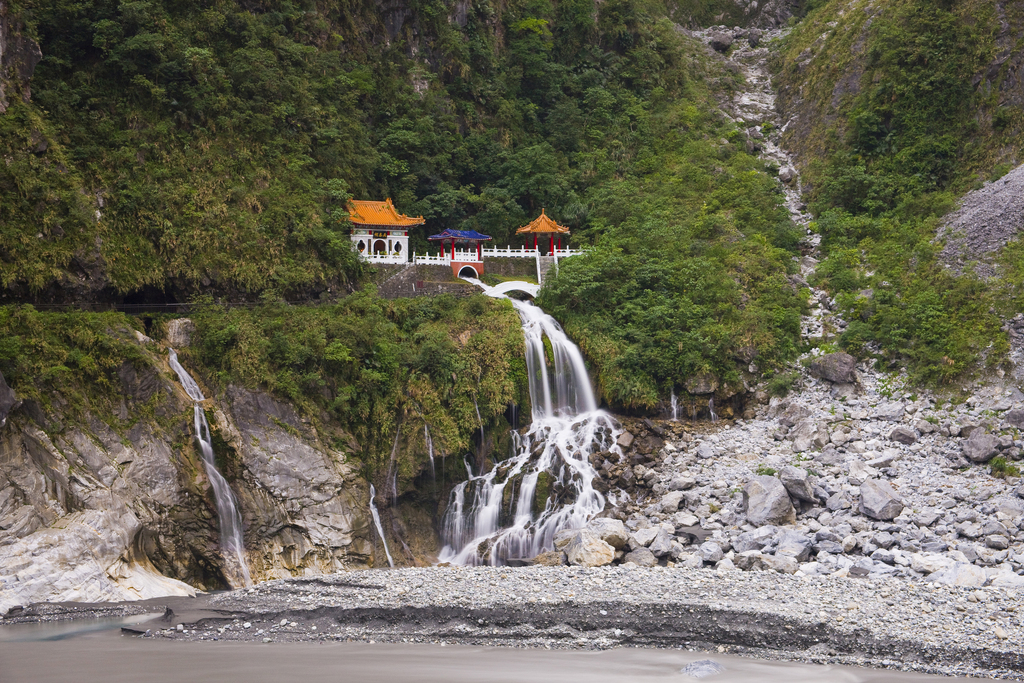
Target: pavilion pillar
[[552, 250], [453, 250], [479, 252], [535, 241]]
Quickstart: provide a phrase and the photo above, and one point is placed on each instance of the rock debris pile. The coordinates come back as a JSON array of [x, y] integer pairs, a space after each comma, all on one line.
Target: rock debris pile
[[849, 478]]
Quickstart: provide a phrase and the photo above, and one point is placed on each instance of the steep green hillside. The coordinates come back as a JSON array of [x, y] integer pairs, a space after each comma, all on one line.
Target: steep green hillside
[[173, 149], [898, 108]]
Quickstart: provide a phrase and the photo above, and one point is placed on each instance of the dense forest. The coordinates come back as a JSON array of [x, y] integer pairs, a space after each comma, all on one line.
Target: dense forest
[[175, 150]]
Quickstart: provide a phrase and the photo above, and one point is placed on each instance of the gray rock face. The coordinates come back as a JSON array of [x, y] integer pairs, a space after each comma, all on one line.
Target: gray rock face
[[704, 383], [767, 502], [180, 332], [878, 500], [670, 501], [835, 367], [611, 531], [662, 544], [981, 446], [710, 551], [586, 549], [551, 558], [19, 56], [644, 537], [794, 544], [797, 483], [7, 400], [903, 435], [122, 511], [792, 414], [642, 557]]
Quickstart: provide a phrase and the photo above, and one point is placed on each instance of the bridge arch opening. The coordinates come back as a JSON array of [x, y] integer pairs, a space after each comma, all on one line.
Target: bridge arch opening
[[468, 271]]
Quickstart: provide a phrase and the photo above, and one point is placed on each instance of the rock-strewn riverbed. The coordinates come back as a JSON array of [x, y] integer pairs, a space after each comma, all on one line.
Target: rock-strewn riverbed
[[886, 622]]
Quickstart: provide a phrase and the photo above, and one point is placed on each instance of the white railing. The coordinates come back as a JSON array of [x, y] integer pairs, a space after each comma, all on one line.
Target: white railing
[[510, 252], [385, 258], [497, 252], [446, 259]]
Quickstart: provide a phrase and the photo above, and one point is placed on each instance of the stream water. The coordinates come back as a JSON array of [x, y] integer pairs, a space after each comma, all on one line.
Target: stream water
[[232, 543], [108, 657], [514, 510], [376, 523]]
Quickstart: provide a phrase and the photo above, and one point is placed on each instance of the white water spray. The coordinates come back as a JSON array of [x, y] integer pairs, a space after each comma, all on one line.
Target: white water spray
[[549, 478], [711, 410], [675, 406], [227, 508], [376, 522]]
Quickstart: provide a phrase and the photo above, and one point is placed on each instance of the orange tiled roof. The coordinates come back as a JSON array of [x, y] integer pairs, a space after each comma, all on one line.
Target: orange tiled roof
[[543, 224], [379, 213]]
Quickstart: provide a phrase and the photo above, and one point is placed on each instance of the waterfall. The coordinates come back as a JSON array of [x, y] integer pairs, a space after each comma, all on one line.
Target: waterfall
[[430, 448], [674, 402], [227, 508], [711, 409], [376, 523], [549, 479]]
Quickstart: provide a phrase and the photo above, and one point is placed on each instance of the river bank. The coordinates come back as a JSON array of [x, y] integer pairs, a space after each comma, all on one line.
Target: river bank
[[887, 623]]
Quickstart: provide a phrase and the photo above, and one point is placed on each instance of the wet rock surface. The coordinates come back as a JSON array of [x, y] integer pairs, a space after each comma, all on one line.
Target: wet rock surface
[[92, 509]]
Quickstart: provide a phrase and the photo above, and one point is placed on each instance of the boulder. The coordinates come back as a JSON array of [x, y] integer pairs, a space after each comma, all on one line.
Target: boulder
[[754, 540], [710, 551], [797, 483], [682, 482], [903, 435], [670, 502], [750, 560], [721, 42], [702, 668], [625, 440], [835, 367], [611, 531], [929, 563], [754, 37], [878, 500], [8, 401], [794, 544], [642, 557], [586, 549], [787, 174], [551, 558], [981, 446], [860, 472], [793, 414], [1014, 418], [960, 574], [767, 502], [890, 412], [662, 544], [783, 564], [808, 433], [644, 537], [563, 536]]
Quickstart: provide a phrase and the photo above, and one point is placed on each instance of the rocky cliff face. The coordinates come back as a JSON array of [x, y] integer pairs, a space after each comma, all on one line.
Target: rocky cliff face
[[108, 507], [19, 55]]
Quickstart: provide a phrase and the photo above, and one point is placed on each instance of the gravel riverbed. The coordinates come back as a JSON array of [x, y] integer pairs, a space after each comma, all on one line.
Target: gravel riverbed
[[886, 622]]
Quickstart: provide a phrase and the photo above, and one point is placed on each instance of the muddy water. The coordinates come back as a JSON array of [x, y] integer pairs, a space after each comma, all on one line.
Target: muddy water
[[109, 657]]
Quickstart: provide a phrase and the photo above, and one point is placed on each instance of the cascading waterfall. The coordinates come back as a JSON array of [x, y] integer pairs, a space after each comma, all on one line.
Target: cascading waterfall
[[227, 508], [711, 410], [675, 406], [484, 526], [376, 522]]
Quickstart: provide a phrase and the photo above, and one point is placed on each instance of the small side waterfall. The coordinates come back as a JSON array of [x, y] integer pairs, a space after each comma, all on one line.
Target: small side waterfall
[[674, 402], [227, 508], [376, 522], [514, 510], [711, 410], [430, 448]]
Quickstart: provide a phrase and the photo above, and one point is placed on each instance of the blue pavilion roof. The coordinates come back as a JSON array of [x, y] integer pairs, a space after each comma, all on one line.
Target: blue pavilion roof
[[461, 235]]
